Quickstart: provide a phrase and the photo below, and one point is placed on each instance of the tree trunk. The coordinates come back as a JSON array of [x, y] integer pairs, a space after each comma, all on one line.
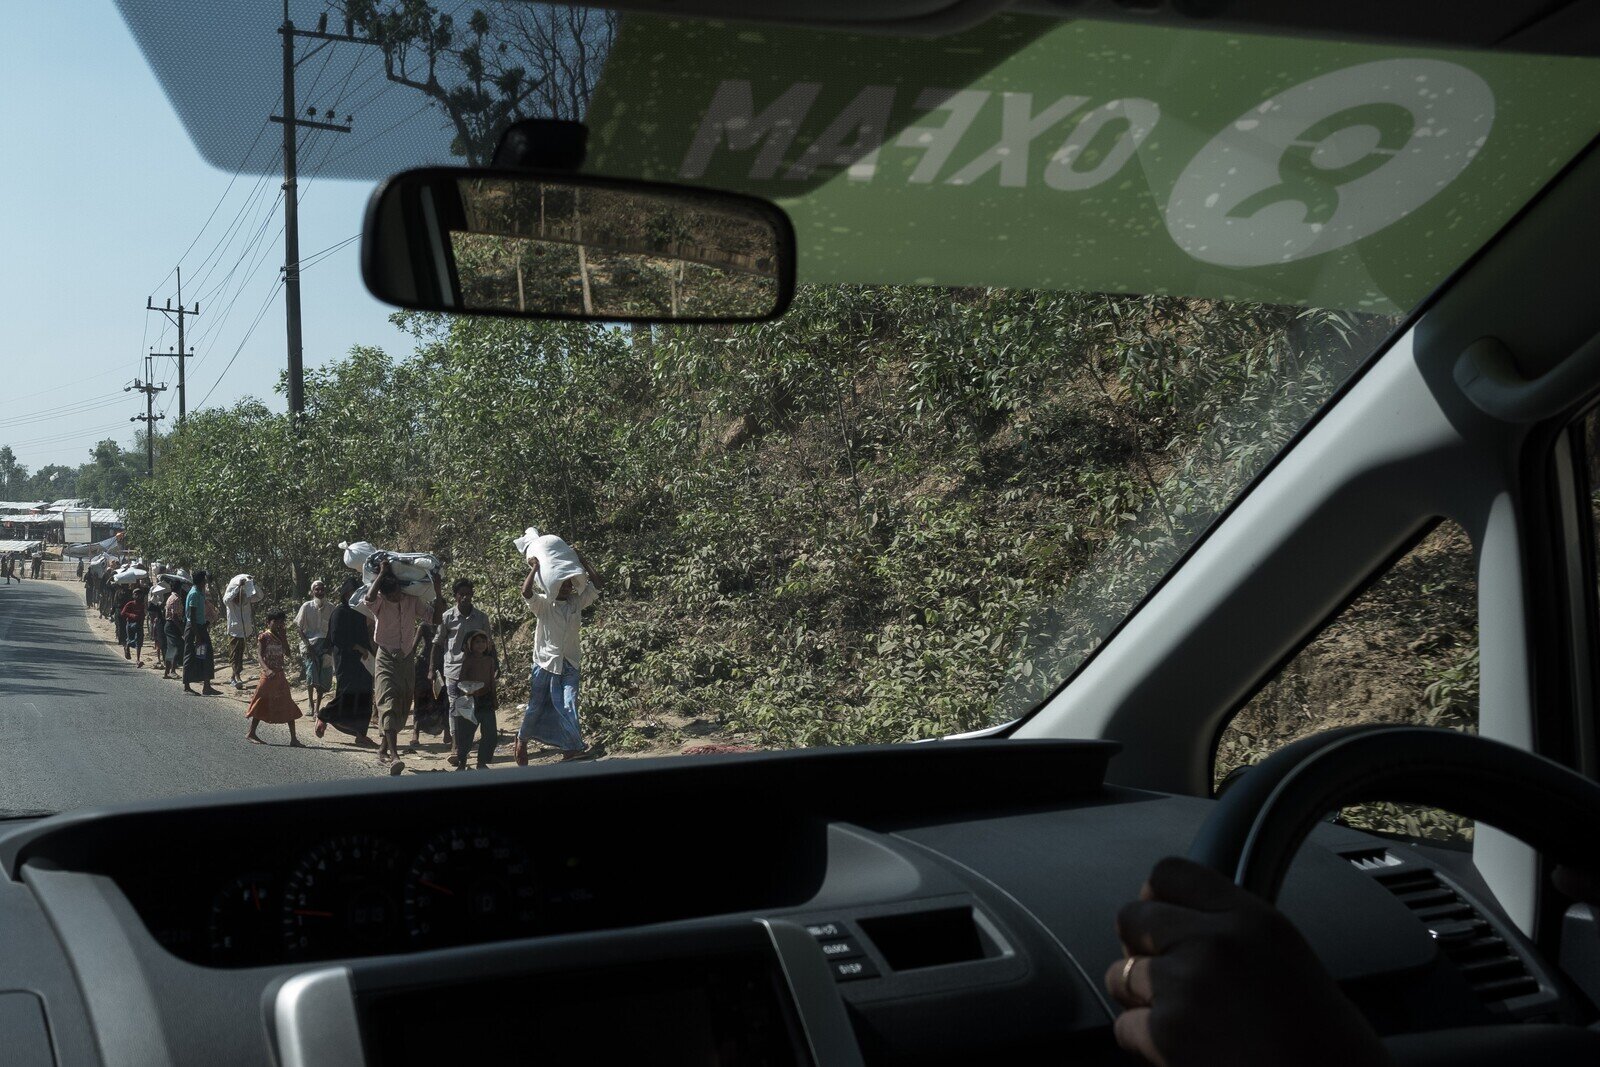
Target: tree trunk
[[583, 257]]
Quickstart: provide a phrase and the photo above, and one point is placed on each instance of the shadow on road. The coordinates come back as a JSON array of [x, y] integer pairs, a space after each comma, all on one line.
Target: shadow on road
[[46, 644]]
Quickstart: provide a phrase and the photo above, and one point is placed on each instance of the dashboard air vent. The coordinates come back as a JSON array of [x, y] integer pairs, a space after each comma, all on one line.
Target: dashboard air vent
[[1491, 967], [1372, 859]]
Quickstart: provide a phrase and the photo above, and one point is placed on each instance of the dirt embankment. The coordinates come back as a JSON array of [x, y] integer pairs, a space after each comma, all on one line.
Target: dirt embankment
[[1404, 651]]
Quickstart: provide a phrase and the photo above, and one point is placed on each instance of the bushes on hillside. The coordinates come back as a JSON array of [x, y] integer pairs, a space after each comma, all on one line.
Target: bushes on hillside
[[896, 513]]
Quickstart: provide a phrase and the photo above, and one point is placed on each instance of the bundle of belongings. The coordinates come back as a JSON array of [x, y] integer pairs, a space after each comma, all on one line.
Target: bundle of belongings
[[92, 548], [175, 580], [253, 593], [131, 573], [414, 569], [557, 560]]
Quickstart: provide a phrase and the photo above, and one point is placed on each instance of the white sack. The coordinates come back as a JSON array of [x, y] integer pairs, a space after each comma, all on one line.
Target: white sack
[[253, 593], [90, 548], [407, 566], [128, 576], [557, 560], [356, 553]]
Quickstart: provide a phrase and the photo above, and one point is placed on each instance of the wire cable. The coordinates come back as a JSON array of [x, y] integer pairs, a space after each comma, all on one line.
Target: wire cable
[[242, 341]]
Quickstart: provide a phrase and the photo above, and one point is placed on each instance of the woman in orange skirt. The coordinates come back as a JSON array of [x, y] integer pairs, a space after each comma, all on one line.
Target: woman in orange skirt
[[272, 701]]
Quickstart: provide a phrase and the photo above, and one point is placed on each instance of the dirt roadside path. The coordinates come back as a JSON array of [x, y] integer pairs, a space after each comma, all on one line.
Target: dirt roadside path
[[429, 757]]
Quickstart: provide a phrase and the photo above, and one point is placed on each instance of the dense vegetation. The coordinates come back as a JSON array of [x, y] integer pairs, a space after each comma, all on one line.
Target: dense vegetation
[[896, 513], [1404, 651]]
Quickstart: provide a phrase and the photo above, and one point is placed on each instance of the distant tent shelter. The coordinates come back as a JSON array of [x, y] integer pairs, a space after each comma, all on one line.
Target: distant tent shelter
[[46, 524]]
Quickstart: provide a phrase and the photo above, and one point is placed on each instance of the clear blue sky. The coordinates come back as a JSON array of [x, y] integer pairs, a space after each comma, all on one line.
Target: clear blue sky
[[104, 193]]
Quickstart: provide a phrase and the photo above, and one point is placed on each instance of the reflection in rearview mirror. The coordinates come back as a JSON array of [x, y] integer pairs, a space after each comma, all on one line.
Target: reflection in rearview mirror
[[566, 246]]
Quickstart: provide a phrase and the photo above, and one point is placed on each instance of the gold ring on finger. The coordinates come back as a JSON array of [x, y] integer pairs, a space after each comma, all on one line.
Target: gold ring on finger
[[1127, 974]]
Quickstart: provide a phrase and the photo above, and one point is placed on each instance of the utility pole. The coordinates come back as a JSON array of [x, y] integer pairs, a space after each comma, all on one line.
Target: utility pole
[[149, 418], [291, 122], [177, 315]]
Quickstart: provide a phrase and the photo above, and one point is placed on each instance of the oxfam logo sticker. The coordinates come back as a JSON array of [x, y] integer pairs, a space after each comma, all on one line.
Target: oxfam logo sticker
[[1329, 162]]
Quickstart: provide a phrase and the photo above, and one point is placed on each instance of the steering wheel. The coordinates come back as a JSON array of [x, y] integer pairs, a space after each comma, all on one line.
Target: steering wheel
[[1258, 825], [1262, 819]]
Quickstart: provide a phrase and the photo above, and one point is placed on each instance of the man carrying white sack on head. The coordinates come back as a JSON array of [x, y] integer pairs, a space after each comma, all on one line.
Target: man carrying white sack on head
[[560, 584]]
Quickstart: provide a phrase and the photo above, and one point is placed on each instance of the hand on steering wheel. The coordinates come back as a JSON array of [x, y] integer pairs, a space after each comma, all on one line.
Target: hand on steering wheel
[[1213, 974]]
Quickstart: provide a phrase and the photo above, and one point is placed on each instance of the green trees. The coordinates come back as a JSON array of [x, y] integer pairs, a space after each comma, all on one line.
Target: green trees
[[13, 477], [103, 481], [897, 513]]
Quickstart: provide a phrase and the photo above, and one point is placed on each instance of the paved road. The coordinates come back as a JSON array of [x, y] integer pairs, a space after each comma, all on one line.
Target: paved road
[[80, 726]]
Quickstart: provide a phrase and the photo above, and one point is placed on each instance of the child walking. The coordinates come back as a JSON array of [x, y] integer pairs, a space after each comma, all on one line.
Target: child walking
[[473, 702], [272, 701]]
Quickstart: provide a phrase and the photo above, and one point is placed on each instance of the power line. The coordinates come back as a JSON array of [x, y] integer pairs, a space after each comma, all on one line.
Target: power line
[[62, 438], [317, 257], [252, 329], [252, 247], [262, 249], [243, 162], [213, 260], [226, 190], [381, 133], [62, 411], [76, 383]]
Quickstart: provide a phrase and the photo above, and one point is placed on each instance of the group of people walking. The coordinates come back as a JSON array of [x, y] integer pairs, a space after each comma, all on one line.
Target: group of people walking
[[13, 564], [403, 658], [175, 614]]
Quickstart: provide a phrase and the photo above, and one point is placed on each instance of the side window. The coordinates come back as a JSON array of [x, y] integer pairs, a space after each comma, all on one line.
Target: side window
[[1404, 651]]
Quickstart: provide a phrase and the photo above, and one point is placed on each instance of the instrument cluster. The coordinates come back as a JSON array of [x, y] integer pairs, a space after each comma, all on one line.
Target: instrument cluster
[[361, 894]]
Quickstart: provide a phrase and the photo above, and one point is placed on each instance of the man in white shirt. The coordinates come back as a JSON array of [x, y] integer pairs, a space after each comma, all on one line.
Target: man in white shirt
[[552, 714], [311, 622], [241, 627]]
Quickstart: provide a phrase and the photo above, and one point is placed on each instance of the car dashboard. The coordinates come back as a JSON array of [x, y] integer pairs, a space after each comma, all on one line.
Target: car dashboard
[[944, 903]]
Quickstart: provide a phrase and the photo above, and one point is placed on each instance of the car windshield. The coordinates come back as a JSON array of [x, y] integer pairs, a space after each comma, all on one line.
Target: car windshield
[[1065, 288]]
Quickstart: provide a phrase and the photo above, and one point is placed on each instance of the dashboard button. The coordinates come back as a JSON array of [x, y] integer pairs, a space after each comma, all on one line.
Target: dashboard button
[[827, 929], [850, 970], [839, 948]]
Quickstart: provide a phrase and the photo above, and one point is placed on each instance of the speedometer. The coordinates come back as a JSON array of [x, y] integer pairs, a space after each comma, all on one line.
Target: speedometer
[[342, 899], [469, 884], [243, 915]]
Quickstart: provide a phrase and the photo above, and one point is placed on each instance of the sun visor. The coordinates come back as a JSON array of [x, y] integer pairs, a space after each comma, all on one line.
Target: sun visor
[[1024, 152], [1103, 156]]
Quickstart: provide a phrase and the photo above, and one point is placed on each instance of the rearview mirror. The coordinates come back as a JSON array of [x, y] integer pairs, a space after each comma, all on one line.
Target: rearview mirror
[[554, 245]]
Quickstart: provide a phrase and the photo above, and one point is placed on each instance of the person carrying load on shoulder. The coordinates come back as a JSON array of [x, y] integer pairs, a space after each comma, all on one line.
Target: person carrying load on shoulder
[[397, 616], [238, 601], [551, 717]]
